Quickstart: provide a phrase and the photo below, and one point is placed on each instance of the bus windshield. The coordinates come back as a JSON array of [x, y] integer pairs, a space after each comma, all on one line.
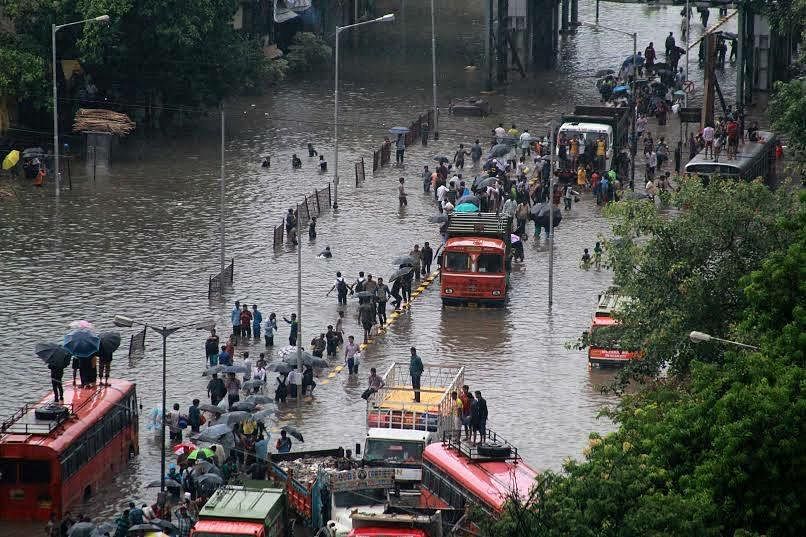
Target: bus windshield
[[457, 262], [383, 450]]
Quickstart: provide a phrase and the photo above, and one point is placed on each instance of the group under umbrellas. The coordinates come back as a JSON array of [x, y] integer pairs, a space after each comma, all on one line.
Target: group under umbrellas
[[81, 342]]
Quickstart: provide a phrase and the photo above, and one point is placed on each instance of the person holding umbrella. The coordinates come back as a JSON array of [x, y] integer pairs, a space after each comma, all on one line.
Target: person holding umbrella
[[400, 149]]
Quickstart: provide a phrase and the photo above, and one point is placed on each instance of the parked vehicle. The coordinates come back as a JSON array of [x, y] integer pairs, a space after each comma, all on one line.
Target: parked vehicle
[[475, 260], [324, 487], [458, 475], [399, 429], [604, 348], [53, 456], [397, 523], [590, 122], [237, 510]]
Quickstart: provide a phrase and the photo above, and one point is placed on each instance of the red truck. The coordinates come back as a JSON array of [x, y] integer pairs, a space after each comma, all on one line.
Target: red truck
[[475, 260]]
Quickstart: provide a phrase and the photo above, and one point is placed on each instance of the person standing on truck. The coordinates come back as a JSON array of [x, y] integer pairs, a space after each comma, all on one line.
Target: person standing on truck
[[381, 298], [465, 397], [416, 371], [283, 444], [475, 153], [479, 417], [456, 412]]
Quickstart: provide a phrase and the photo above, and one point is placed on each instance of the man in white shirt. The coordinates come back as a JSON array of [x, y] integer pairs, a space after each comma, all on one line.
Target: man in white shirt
[[295, 380], [441, 191], [526, 141], [708, 137], [500, 133]]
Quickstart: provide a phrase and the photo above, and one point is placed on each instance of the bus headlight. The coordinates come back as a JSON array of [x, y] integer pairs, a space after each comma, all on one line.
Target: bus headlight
[[496, 292], [448, 291]]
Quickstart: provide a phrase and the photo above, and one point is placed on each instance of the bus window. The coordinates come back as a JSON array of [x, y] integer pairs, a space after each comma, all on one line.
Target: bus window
[[8, 471], [35, 472], [490, 263], [457, 262]]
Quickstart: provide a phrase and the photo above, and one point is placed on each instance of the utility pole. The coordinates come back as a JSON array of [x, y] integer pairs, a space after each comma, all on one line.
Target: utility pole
[[221, 223], [490, 46], [299, 310], [551, 213], [434, 69]]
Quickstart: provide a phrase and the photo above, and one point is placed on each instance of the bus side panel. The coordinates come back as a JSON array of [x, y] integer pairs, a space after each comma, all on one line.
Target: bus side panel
[[109, 461]]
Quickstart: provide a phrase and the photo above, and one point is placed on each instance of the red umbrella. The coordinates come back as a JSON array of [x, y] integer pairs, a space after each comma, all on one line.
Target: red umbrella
[[184, 447]]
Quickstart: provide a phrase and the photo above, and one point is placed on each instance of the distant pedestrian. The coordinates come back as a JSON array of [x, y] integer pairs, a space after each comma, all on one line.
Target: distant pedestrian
[[296, 162], [382, 294], [183, 521], [678, 156], [56, 375], [426, 175], [400, 149], [426, 257], [479, 417], [350, 350], [322, 164], [194, 416], [475, 153], [216, 389], [366, 314], [247, 363], [291, 226], [459, 157], [270, 329], [331, 341], [318, 345], [401, 193], [281, 391], [233, 389], [417, 255], [312, 229], [246, 322], [307, 380], [292, 335], [456, 413], [224, 357], [235, 317], [395, 292], [211, 348], [257, 321], [283, 444], [416, 371], [374, 382], [341, 287]]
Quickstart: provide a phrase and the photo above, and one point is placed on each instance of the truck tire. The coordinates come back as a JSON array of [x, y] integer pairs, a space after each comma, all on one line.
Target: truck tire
[[51, 413], [494, 451]]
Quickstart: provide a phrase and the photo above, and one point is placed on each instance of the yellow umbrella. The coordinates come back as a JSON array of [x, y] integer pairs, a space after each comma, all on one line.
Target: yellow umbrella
[[11, 160]]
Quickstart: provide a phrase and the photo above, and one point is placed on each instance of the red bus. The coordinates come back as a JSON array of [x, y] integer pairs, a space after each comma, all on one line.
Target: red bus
[[457, 473], [51, 459], [604, 348]]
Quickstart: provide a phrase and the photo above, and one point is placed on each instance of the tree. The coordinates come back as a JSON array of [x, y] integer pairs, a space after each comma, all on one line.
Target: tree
[[683, 271], [788, 115], [718, 451], [22, 75], [153, 52]]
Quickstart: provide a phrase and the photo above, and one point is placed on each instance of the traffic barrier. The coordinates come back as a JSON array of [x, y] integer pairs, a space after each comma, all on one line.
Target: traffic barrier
[[218, 282], [137, 344], [312, 204]]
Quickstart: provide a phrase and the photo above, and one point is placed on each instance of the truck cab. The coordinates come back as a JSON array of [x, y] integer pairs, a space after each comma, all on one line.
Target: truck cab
[[401, 449], [235, 511], [604, 347], [589, 133], [364, 490], [475, 260]]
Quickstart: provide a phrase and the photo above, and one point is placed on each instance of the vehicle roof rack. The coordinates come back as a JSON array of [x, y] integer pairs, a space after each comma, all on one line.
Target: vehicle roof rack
[[29, 419], [493, 447], [494, 225]]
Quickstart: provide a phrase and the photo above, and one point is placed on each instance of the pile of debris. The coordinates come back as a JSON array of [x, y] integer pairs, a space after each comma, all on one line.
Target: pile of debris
[[305, 470], [100, 120]]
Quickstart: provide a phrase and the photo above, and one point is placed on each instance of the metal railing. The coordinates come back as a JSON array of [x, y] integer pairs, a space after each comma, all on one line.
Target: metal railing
[[137, 344], [312, 204], [418, 129], [360, 176], [218, 282]]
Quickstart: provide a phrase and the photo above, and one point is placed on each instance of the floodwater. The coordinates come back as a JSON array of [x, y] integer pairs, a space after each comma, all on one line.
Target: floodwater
[[142, 240]]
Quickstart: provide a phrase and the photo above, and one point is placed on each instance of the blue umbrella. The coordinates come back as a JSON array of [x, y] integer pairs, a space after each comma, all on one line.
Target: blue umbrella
[[629, 60], [470, 198], [466, 208], [621, 89], [82, 343], [399, 130]]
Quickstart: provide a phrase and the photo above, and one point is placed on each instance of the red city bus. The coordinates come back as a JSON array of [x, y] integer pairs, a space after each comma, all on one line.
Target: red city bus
[[51, 459], [604, 348], [474, 267], [457, 473]]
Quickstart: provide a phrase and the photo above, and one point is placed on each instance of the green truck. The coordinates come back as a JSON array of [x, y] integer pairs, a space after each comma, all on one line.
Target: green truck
[[242, 510]]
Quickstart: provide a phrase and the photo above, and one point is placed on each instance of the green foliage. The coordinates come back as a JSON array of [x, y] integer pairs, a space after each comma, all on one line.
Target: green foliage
[[718, 451], [22, 76], [788, 115], [683, 271], [176, 53], [307, 52]]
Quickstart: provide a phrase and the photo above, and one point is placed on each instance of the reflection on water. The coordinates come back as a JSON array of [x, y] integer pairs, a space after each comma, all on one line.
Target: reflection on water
[[142, 241]]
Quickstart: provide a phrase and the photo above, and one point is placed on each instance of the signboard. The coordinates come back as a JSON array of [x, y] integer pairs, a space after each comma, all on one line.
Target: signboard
[[409, 474], [690, 115], [362, 478]]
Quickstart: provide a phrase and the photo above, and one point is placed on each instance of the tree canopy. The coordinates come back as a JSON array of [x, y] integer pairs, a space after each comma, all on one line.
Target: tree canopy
[[175, 53], [717, 450]]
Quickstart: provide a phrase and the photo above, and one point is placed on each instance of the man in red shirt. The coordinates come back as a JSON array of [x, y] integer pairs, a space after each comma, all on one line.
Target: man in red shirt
[[732, 129], [463, 396], [246, 322]]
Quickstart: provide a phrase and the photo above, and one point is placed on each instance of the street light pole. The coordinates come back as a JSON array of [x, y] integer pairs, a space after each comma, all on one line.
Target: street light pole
[[700, 337], [53, 29], [299, 312], [386, 18], [551, 213], [221, 227], [164, 331], [434, 69]]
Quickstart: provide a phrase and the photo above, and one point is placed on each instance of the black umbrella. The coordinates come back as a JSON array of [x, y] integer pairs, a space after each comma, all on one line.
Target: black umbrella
[[211, 408], [500, 150], [237, 416], [81, 529], [399, 273], [53, 355], [246, 406], [259, 415], [278, 367], [252, 384], [259, 399], [110, 342], [604, 72], [32, 152], [363, 294], [208, 483], [205, 467], [164, 525], [168, 483], [292, 431], [469, 199], [214, 369], [442, 159], [234, 369], [404, 260], [143, 527], [540, 215], [483, 182], [213, 433]]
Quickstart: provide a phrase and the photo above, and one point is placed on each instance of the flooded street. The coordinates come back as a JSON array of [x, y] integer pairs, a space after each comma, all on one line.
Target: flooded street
[[142, 241]]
